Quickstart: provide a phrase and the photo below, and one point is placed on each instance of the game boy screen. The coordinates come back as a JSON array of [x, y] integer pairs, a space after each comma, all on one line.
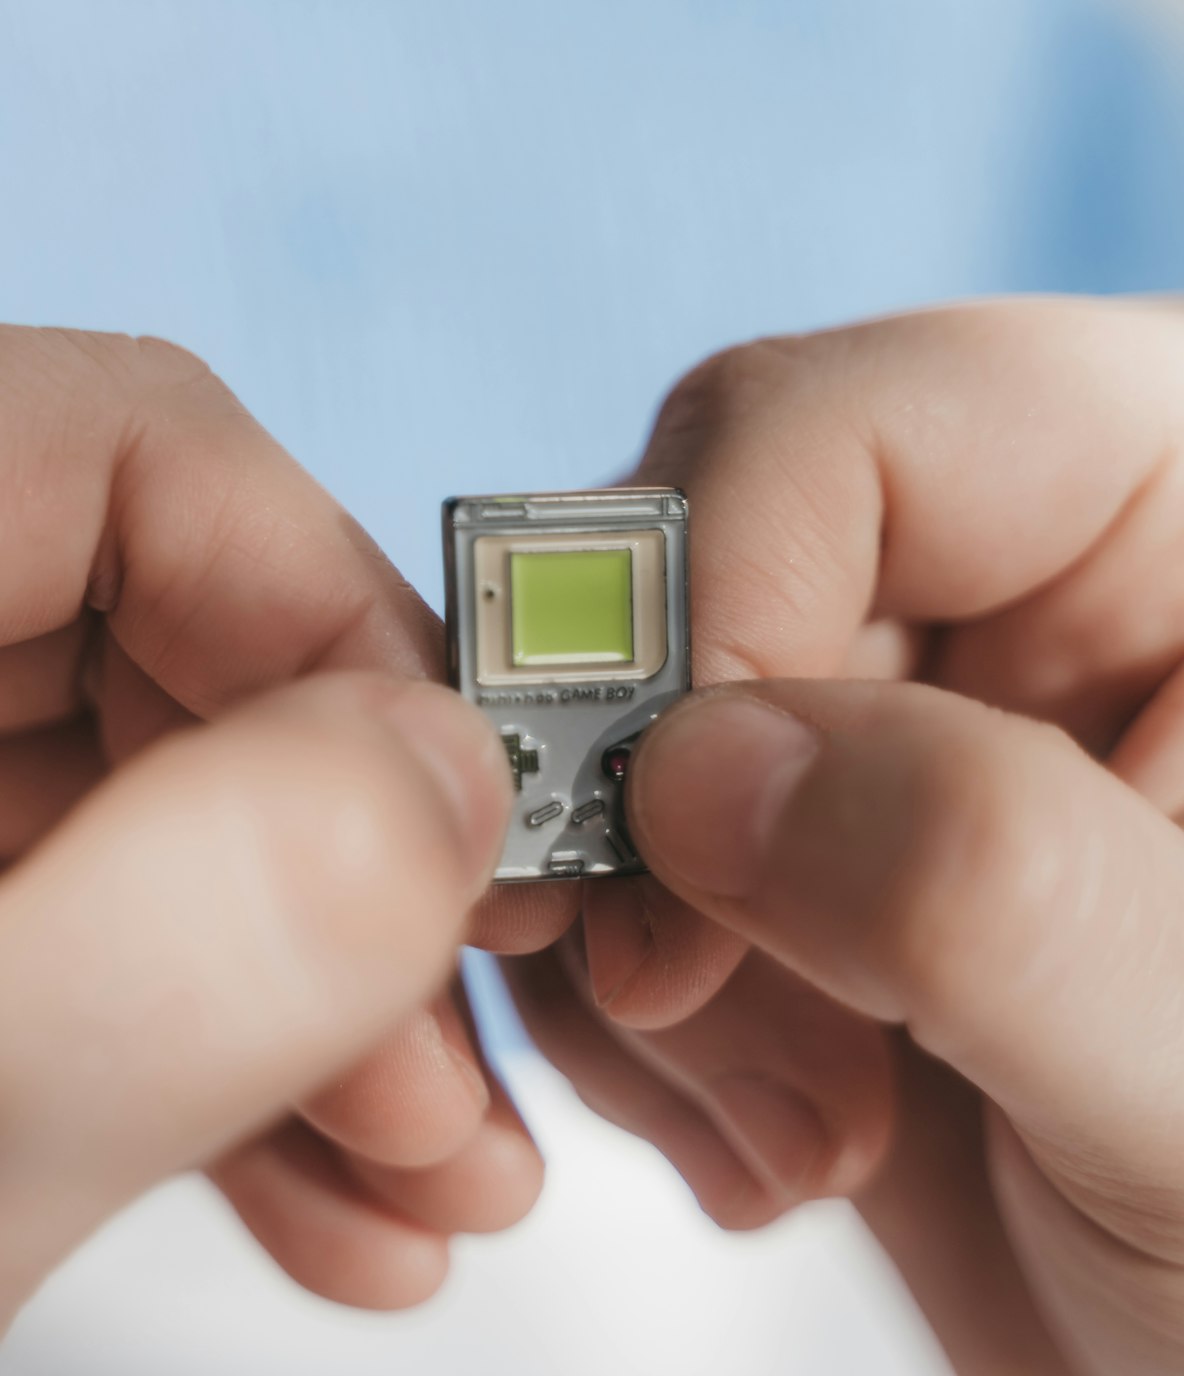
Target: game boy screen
[[571, 607]]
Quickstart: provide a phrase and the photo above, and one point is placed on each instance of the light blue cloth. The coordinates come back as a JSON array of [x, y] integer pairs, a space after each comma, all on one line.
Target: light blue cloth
[[447, 246]]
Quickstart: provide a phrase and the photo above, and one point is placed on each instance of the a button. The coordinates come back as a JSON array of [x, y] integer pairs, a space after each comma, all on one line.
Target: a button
[[615, 761], [547, 813], [521, 761], [586, 811], [565, 867]]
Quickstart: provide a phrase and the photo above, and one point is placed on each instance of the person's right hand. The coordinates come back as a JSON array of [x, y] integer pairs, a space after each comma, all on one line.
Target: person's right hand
[[225, 944], [966, 1009]]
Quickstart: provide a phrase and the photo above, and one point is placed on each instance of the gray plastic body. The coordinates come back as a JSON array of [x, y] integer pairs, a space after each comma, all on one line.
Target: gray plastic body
[[568, 732]]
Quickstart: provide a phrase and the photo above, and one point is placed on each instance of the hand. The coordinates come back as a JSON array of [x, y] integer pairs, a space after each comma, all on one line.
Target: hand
[[964, 1007], [198, 934]]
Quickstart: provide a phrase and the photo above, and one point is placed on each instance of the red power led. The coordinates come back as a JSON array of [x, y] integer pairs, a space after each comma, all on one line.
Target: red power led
[[615, 761]]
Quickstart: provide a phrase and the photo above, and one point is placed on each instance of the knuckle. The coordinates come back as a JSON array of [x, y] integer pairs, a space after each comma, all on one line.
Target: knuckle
[[169, 362], [726, 387], [171, 378]]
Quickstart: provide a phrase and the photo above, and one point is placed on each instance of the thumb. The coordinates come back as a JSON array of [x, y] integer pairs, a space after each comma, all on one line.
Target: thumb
[[934, 862], [214, 931]]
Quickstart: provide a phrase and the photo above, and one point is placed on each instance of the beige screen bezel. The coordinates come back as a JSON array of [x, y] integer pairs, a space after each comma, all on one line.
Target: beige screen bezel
[[491, 594]]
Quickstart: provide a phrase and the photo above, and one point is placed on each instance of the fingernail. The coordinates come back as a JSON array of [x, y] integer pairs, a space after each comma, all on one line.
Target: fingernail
[[618, 938], [708, 787], [464, 757], [781, 1129]]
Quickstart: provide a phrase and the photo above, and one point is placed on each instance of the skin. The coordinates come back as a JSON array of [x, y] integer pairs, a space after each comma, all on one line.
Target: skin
[[240, 842], [913, 931]]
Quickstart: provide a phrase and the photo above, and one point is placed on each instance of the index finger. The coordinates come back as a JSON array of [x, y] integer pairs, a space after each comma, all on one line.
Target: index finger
[[935, 467], [134, 482]]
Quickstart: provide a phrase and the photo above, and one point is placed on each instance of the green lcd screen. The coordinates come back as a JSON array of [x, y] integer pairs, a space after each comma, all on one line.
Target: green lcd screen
[[571, 606]]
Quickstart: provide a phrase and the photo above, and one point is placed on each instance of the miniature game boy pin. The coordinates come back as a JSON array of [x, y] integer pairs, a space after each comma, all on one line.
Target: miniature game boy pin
[[568, 625]]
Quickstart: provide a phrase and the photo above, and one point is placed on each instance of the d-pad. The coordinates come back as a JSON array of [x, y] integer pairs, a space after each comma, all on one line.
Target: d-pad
[[521, 761]]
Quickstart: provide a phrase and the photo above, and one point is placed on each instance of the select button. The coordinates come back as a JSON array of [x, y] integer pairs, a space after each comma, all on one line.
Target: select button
[[547, 813]]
